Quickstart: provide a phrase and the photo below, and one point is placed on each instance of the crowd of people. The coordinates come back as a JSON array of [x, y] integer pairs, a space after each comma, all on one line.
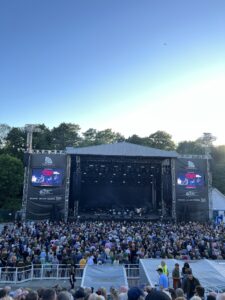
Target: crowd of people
[[122, 293], [98, 242], [115, 242]]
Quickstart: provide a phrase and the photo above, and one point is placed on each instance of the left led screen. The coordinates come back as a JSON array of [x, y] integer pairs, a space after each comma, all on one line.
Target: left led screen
[[47, 177]]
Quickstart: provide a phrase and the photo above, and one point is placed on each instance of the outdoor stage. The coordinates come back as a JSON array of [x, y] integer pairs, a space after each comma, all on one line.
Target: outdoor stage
[[121, 181], [115, 181]]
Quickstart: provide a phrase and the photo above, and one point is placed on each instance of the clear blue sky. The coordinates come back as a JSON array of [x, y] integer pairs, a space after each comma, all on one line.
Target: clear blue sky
[[133, 66]]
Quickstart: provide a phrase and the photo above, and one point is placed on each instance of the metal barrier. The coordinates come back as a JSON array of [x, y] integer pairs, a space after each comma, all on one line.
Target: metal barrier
[[37, 272], [54, 271], [17, 275]]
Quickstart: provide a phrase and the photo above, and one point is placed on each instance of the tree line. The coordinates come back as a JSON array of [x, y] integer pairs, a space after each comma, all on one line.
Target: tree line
[[13, 145]]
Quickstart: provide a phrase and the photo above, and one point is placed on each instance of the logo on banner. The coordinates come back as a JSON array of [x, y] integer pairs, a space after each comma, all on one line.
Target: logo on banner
[[45, 192], [48, 161], [190, 164], [190, 193]]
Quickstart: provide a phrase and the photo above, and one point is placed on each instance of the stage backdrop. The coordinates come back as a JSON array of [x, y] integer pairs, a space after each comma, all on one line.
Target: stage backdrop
[[192, 189], [46, 186]]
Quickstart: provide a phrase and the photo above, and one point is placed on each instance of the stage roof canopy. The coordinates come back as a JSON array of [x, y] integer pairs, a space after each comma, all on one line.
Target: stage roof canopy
[[121, 149]]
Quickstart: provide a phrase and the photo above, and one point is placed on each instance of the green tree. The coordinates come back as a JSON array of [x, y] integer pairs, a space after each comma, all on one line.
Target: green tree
[[89, 137], [4, 130], [160, 140], [16, 142], [65, 135], [190, 147], [43, 139], [11, 181], [218, 167], [108, 136], [136, 139], [218, 154]]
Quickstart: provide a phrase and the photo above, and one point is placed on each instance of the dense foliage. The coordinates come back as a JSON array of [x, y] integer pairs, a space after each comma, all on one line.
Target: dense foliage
[[11, 181], [13, 144]]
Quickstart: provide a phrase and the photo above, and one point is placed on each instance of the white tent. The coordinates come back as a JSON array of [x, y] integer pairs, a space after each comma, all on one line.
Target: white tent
[[218, 200]]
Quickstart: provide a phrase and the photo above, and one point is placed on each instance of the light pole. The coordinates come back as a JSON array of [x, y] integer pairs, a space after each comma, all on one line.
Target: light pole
[[207, 140], [30, 128]]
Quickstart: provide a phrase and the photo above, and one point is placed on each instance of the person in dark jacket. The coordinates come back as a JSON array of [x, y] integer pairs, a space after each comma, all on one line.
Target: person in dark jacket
[[72, 275], [190, 284], [176, 277]]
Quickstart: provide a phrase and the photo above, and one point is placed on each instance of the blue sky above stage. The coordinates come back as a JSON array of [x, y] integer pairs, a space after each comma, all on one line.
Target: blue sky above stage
[[133, 66]]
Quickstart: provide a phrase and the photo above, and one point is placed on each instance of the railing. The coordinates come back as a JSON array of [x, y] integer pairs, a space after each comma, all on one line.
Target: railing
[[15, 275], [54, 271], [133, 276], [37, 272], [215, 289]]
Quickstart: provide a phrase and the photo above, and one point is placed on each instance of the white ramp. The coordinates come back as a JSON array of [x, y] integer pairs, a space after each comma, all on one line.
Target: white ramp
[[210, 273], [97, 276], [148, 273]]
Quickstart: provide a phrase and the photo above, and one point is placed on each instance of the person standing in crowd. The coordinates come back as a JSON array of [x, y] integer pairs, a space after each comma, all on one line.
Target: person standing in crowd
[[135, 293], [72, 275], [79, 294], [157, 295], [83, 262], [176, 276], [49, 294], [186, 268], [189, 285], [163, 279], [200, 292], [164, 268]]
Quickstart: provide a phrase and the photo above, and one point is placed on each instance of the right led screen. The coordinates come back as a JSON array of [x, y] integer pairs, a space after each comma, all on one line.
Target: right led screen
[[190, 180]]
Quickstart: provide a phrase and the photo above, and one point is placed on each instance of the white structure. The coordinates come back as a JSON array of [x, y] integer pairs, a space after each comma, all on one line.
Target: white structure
[[218, 200], [218, 204]]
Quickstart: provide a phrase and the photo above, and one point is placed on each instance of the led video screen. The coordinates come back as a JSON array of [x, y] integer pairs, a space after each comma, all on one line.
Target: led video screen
[[190, 180], [47, 177]]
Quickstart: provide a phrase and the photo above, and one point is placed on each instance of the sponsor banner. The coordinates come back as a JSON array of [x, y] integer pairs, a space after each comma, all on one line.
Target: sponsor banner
[[48, 160], [46, 188], [192, 187]]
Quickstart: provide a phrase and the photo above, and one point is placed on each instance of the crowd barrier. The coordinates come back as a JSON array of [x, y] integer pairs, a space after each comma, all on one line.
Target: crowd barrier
[[15, 275]]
